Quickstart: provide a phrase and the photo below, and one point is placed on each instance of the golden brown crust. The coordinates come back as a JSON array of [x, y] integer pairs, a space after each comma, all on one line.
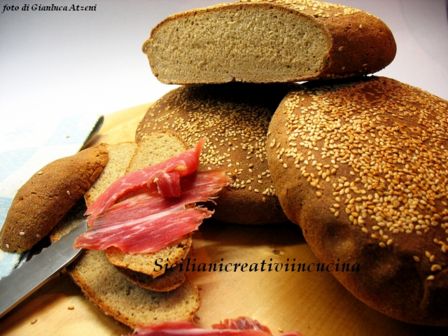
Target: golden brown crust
[[234, 120], [358, 166], [48, 195], [358, 43]]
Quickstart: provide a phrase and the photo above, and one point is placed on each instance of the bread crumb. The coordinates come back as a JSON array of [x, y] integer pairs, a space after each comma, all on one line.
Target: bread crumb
[[278, 252], [40, 172]]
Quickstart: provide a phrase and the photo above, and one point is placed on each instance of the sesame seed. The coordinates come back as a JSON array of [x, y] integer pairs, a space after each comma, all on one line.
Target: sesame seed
[[416, 258], [436, 268], [21, 233], [430, 277]]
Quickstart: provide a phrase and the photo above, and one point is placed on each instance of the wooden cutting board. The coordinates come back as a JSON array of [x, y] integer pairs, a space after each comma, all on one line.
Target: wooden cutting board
[[310, 302]]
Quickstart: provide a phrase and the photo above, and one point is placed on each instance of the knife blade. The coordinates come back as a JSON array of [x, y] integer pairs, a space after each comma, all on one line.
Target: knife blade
[[34, 273]]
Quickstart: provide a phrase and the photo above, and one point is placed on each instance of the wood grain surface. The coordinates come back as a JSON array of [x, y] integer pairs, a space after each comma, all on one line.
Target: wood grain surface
[[310, 302]]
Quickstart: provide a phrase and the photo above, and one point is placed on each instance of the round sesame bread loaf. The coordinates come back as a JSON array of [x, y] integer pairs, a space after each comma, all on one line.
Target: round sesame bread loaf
[[233, 119], [361, 167], [265, 41], [48, 195]]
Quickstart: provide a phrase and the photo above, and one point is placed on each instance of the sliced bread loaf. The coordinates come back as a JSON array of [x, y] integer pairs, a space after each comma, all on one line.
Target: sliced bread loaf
[[263, 41], [117, 294]]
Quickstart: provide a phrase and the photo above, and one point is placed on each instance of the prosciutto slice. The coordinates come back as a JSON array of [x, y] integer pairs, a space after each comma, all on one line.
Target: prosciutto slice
[[153, 208], [165, 176], [148, 222], [241, 326]]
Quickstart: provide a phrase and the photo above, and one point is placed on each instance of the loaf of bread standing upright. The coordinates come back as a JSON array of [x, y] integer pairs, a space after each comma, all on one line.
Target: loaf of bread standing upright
[[265, 41], [361, 167]]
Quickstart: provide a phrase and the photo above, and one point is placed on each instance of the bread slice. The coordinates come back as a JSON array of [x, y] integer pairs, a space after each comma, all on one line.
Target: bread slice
[[150, 263], [48, 195], [263, 41], [116, 296], [154, 148], [119, 157], [171, 279], [361, 167], [234, 119]]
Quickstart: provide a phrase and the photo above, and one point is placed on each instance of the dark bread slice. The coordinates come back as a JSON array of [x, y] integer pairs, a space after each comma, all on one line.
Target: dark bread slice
[[155, 148], [119, 156], [48, 195], [110, 289], [361, 167], [265, 41], [234, 119], [149, 263]]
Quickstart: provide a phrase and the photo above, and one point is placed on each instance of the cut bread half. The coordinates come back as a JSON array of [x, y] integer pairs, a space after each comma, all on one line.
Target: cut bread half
[[263, 41]]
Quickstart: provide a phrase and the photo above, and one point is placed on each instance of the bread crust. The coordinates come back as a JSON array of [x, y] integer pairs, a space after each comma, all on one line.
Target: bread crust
[[48, 195], [329, 144], [357, 42]]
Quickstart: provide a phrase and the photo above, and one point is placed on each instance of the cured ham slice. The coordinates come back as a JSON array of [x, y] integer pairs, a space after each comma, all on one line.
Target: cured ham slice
[[155, 212], [147, 222], [241, 326], [180, 165], [144, 235]]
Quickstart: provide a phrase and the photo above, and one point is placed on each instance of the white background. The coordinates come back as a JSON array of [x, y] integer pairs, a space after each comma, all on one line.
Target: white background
[[92, 63]]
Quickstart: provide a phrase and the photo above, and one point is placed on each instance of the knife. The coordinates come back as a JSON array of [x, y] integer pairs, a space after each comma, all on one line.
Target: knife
[[34, 273]]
